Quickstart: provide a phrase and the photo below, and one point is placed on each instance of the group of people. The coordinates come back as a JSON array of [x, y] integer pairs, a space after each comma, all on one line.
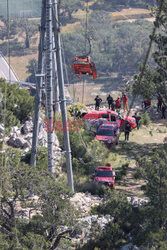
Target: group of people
[[116, 105], [161, 106], [113, 105]]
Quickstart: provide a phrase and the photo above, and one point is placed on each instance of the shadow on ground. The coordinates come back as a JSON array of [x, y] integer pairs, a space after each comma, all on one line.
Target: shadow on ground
[[133, 149]]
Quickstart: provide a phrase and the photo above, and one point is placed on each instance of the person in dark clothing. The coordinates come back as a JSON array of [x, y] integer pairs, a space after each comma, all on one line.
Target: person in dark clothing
[[163, 111], [137, 118], [118, 104], [159, 102], [127, 130], [98, 100], [147, 103], [113, 106], [110, 101]]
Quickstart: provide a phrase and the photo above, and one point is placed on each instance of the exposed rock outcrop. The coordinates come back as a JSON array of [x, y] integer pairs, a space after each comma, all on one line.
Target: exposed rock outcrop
[[22, 138], [87, 223]]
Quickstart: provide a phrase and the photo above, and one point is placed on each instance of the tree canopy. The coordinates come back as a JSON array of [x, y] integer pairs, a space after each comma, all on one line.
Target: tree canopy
[[35, 210], [116, 47], [17, 104]]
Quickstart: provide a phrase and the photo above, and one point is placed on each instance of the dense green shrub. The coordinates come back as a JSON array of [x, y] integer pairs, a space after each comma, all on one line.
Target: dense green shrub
[[122, 172], [145, 119], [93, 188], [75, 108], [16, 106]]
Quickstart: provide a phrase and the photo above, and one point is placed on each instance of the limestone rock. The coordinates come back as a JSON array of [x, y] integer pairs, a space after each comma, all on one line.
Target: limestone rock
[[27, 127]]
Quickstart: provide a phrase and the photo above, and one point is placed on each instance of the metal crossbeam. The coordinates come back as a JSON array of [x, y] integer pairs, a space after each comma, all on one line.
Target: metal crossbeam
[[54, 84]]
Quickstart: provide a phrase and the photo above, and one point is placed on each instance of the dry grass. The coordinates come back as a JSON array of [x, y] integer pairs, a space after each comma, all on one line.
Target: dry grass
[[90, 92], [129, 14], [80, 14], [149, 135], [131, 11], [103, 88], [19, 65], [70, 28]]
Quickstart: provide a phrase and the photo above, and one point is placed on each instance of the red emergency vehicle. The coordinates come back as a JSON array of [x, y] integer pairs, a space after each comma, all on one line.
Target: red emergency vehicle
[[108, 133], [104, 175], [111, 116]]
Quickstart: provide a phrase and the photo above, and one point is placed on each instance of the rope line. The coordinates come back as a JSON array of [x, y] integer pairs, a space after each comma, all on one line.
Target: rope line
[[86, 32]]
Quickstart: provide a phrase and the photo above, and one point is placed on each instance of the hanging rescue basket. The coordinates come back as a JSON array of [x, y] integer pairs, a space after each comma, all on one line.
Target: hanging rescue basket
[[84, 66]]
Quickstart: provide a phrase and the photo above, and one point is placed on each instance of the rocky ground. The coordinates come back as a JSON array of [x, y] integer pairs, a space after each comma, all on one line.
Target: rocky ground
[[88, 223], [83, 202], [21, 138]]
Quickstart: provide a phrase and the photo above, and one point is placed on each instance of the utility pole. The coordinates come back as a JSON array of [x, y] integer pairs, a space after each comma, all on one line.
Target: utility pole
[[55, 79], [49, 88], [38, 86], [52, 69], [57, 28]]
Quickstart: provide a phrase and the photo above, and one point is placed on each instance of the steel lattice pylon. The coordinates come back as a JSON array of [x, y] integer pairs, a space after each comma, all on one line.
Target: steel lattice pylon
[[48, 76]]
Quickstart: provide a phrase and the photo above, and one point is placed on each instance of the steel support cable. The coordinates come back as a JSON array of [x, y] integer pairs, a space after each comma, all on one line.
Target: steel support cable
[[64, 61], [86, 32], [89, 153], [39, 85], [58, 47], [80, 135]]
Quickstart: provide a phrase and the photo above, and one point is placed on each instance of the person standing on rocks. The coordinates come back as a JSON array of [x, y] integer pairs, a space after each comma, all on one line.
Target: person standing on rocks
[[137, 118], [159, 102], [109, 100], [118, 104], [163, 111], [98, 100], [127, 130], [125, 101], [147, 103], [113, 106]]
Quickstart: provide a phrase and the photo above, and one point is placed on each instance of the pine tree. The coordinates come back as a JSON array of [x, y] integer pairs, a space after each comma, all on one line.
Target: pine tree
[[160, 55], [154, 226]]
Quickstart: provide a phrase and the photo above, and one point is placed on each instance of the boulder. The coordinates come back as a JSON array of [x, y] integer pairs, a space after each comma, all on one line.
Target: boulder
[[29, 139], [18, 142], [27, 127], [11, 141], [26, 145], [84, 202], [15, 130]]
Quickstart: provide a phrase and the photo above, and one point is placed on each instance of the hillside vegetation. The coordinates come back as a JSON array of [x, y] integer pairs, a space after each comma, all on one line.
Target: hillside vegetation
[[108, 44], [36, 209]]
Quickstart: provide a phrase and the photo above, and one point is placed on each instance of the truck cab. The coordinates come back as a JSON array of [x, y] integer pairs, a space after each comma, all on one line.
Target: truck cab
[[108, 133], [104, 175], [111, 116]]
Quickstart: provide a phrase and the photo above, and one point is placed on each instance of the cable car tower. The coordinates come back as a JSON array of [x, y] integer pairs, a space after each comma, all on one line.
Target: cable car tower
[[50, 78]]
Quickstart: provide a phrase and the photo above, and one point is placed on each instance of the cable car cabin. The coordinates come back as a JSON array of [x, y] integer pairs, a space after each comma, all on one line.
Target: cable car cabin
[[84, 66]]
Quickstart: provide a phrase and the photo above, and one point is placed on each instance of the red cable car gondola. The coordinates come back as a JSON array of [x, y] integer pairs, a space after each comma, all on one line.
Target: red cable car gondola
[[82, 65]]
